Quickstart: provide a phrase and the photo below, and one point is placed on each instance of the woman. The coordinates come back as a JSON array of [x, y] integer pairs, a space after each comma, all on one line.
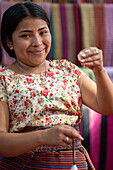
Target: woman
[[41, 100]]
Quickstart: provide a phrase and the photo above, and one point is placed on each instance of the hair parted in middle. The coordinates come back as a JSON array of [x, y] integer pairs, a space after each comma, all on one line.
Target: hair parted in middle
[[14, 15]]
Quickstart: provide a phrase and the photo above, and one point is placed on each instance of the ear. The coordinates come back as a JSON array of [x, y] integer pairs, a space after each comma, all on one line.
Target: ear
[[9, 44]]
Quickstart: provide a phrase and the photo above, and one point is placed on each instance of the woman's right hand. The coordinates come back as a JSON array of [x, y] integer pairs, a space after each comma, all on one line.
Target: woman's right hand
[[57, 135]]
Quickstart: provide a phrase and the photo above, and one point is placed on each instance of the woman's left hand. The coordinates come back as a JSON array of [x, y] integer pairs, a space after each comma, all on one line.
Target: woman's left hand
[[92, 58]]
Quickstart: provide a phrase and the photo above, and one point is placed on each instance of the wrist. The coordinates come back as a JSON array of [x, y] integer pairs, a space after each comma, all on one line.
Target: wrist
[[99, 71]]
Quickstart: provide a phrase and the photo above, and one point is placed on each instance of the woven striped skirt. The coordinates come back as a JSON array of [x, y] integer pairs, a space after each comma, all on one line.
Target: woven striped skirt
[[48, 161]]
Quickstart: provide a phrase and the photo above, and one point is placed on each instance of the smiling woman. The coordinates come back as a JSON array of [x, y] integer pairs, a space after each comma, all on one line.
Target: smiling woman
[[40, 100], [33, 40]]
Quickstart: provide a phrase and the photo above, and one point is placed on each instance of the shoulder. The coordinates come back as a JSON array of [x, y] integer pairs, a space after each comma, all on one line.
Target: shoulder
[[62, 63], [5, 72], [69, 66], [59, 62]]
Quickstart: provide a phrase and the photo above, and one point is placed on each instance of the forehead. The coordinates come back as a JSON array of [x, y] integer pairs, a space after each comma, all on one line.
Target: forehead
[[31, 22]]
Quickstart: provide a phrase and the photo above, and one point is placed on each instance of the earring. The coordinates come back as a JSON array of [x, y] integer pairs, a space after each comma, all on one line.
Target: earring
[[10, 46]]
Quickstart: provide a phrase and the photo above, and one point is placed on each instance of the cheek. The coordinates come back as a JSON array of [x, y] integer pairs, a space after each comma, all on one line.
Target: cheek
[[48, 40], [20, 45]]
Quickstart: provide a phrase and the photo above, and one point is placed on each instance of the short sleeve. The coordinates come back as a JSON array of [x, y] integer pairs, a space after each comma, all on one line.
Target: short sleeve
[[72, 69], [76, 70], [3, 94]]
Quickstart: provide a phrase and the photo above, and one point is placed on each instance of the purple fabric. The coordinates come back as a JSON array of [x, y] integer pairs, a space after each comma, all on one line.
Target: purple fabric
[[108, 59], [109, 71], [109, 155], [101, 138], [78, 33], [95, 133], [46, 6], [64, 31], [5, 59]]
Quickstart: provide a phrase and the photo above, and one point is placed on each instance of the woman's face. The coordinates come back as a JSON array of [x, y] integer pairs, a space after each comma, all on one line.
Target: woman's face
[[31, 41]]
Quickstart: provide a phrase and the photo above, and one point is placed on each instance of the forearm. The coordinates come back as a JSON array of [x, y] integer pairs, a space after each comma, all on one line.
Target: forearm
[[14, 144], [104, 92]]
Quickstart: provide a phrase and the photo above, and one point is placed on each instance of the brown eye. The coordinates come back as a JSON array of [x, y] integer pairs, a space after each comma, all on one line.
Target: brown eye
[[26, 36], [43, 32]]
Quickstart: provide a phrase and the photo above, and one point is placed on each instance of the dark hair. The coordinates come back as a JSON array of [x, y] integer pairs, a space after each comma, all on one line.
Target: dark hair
[[14, 15]]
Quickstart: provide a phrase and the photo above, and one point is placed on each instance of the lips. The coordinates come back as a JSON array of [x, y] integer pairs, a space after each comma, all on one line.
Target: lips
[[36, 52]]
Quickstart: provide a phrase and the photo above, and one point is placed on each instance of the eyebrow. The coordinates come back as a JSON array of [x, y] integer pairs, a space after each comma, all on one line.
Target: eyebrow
[[31, 31]]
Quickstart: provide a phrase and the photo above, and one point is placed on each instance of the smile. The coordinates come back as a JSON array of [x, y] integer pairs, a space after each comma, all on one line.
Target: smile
[[37, 52]]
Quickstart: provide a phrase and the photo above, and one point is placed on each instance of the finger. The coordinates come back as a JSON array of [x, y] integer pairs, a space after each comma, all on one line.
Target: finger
[[73, 133], [91, 51], [93, 63], [70, 132], [94, 59], [67, 140], [88, 52]]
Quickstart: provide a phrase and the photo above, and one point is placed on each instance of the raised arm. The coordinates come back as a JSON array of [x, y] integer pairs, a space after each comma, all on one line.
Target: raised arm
[[99, 95]]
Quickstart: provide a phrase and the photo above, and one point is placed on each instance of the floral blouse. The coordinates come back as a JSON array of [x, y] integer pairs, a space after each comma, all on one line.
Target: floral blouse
[[46, 99]]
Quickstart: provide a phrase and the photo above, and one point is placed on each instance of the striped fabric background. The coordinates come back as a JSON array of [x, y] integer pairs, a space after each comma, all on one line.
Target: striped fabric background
[[109, 34], [71, 1], [99, 27], [97, 131]]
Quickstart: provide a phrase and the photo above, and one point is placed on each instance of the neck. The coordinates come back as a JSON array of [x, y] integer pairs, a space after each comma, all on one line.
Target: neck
[[32, 69]]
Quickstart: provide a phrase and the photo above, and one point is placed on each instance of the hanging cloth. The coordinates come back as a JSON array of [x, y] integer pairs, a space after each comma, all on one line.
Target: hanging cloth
[[71, 33], [108, 59], [99, 19], [57, 31], [87, 19]]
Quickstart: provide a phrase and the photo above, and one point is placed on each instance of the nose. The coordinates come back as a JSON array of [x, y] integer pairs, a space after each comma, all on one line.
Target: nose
[[36, 40]]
